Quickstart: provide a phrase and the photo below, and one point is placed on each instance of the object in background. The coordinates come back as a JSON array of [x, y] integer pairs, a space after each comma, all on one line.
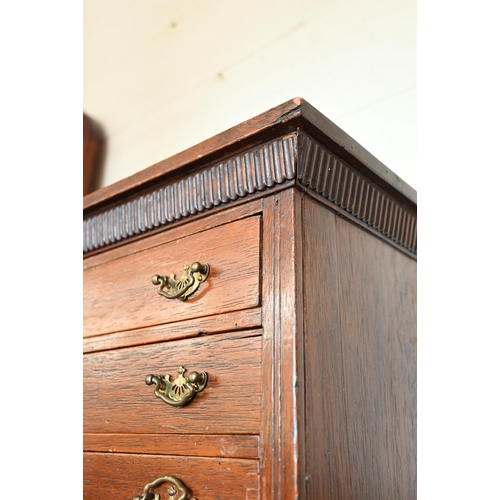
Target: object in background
[[93, 147]]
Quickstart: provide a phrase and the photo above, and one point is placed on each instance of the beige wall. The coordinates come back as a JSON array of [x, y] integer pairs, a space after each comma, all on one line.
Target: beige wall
[[163, 75]]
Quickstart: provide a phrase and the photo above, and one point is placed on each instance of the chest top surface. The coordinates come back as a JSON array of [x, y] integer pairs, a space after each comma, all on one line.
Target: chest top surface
[[291, 144]]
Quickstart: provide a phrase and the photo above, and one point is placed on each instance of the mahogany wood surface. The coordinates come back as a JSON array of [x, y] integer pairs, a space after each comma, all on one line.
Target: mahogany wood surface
[[219, 323], [326, 448], [281, 310], [279, 120], [378, 314], [123, 476], [117, 399], [226, 214], [244, 175], [360, 362], [353, 195], [306, 325], [119, 295], [228, 446]]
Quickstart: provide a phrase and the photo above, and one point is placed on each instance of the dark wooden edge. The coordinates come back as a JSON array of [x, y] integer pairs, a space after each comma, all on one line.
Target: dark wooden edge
[[216, 445], [279, 120], [344, 146], [240, 209], [282, 388], [209, 325], [340, 185], [365, 226], [318, 171], [240, 176]]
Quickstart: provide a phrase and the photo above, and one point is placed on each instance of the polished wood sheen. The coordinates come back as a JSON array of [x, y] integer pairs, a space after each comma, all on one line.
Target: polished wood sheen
[[117, 399], [236, 177], [306, 325], [123, 476], [269, 125], [304, 149], [198, 327], [216, 445], [130, 300]]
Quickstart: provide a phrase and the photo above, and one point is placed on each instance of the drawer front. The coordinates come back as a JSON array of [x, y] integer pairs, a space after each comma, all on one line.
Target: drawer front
[[124, 476], [117, 399], [119, 294]]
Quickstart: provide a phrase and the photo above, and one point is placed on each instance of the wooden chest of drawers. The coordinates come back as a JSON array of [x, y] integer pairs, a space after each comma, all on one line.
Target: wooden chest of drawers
[[301, 341]]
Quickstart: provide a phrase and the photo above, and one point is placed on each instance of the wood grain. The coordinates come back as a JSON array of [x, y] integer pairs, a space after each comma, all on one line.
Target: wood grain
[[338, 182], [327, 454], [119, 295], [239, 446], [123, 476], [280, 120], [297, 156], [236, 177], [248, 318], [306, 325], [117, 400], [180, 230], [378, 313], [359, 330], [281, 391]]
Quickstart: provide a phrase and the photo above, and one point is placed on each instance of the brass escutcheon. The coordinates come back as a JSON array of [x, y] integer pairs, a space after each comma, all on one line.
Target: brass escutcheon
[[191, 278], [182, 390], [176, 486]]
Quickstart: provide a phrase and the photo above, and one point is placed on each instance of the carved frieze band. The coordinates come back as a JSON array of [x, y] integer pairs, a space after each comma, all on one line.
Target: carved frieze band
[[254, 170], [324, 173]]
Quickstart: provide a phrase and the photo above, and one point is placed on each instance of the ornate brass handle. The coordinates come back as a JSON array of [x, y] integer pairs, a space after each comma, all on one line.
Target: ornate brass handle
[[176, 486], [182, 390], [186, 285]]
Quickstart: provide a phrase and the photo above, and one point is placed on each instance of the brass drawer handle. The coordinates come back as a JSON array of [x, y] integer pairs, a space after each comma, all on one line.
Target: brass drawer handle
[[182, 390], [176, 486], [191, 278]]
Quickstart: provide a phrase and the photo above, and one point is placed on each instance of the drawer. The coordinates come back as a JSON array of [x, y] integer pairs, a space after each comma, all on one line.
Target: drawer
[[117, 399], [119, 294], [124, 476]]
